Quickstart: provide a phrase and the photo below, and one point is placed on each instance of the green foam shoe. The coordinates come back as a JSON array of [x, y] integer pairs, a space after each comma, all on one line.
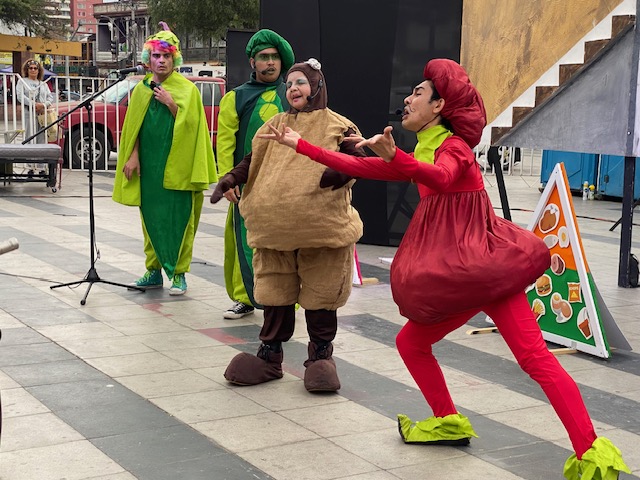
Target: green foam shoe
[[603, 461], [150, 279], [452, 430]]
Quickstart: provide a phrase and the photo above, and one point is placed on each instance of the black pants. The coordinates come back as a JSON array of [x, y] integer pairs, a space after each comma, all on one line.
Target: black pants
[[279, 324]]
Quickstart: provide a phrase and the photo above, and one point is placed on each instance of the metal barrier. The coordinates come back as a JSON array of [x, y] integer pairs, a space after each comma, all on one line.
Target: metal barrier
[[104, 126], [524, 162]]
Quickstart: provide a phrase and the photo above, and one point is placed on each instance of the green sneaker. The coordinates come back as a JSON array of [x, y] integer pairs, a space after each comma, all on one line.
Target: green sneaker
[[150, 279], [178, 285]]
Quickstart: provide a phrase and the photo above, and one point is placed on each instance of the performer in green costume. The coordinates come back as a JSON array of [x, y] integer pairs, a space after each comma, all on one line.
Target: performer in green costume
[[165, 162], [243, 111]]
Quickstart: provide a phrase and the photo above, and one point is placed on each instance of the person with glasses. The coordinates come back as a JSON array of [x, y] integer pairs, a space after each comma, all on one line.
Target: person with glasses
[[303, 228], [457, 259], [242, 111], [35, 95]]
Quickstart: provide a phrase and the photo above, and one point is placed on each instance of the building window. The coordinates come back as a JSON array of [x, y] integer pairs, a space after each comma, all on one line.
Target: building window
[[81, 5]]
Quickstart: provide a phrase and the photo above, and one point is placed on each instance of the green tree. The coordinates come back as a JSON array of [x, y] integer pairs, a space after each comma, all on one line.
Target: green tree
[[205, 19], [27, 13]]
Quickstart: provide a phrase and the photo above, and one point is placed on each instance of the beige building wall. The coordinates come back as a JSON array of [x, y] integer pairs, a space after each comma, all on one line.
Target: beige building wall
[[508, 44]]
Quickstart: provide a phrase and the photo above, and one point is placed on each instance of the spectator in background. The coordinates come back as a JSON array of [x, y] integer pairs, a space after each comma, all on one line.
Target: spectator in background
[[35, 95]]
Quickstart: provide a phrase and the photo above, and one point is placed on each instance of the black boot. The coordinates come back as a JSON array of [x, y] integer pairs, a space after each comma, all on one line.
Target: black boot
[[321, 374], [266, 365]]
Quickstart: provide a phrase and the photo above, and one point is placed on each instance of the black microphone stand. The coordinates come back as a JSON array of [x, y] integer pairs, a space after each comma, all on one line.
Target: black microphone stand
[[92, 275]]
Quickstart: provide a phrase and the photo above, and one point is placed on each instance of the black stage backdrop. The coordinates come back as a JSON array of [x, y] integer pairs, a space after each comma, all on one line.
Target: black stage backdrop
[[373, 53], [238, 68]]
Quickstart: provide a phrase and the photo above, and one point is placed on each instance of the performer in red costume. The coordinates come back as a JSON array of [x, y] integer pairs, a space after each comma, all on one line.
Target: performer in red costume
[[457, 259]]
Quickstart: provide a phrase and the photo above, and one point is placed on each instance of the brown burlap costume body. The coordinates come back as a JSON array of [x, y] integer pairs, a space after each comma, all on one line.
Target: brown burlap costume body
[[303, 235]]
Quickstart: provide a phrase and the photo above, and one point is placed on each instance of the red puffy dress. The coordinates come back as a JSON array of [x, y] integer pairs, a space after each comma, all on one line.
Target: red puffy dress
[[456, 259], [456, 254]]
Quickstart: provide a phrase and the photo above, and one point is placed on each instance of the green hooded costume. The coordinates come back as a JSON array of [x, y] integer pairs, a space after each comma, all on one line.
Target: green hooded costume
[[176, 164], [243, 111]]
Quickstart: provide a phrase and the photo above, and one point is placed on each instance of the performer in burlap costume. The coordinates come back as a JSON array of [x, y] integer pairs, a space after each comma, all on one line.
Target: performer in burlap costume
[[303, 228]]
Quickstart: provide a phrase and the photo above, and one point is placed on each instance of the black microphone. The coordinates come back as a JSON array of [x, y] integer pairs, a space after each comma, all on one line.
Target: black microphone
[[399, 111], [138, 70], [311, 97], [264, 72]]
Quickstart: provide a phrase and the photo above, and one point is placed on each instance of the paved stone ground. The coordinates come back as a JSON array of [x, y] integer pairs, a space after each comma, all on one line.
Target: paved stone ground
[[130, 385]]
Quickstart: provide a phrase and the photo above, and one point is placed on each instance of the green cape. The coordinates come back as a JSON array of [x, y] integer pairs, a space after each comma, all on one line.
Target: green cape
[[191, 164]]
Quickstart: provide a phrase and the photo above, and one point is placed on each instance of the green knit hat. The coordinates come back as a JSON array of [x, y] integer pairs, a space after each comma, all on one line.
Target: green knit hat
[[269, 39]]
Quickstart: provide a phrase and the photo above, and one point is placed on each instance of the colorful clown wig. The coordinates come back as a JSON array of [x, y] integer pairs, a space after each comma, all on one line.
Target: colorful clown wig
[[163, 41]]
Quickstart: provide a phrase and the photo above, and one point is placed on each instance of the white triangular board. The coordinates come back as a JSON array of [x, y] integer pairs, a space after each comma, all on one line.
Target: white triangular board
[[558, 181]]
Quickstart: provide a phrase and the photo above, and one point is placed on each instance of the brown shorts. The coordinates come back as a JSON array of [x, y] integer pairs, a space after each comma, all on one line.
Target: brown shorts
[[316, 278]]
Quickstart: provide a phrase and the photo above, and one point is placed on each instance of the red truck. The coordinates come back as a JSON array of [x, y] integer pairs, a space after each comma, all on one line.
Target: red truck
[[105, 122]]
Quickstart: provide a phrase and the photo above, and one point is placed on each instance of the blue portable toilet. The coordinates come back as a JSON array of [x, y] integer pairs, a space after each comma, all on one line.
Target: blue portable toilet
[[580, 167], [610, 180]]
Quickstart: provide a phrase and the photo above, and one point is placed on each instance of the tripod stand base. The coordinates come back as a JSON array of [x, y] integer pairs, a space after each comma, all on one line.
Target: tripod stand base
[[635, 204], [93, 277]]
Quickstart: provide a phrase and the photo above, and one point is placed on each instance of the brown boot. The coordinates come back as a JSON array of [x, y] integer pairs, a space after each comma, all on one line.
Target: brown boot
[[321, 374], [246, 369]]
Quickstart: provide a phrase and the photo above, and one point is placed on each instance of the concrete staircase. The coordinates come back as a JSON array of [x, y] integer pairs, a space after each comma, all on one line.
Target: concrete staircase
[[620, 25]]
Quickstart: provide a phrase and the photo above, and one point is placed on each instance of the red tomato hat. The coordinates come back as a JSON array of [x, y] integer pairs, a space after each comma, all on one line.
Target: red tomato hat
[[463, 106]]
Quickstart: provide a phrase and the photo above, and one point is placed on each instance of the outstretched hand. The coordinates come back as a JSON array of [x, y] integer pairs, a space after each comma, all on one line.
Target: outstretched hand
[[286, 136], [381, 144]]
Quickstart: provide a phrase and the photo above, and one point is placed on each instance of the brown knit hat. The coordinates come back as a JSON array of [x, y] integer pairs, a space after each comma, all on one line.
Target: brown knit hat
[[463, 106], [311, 70]]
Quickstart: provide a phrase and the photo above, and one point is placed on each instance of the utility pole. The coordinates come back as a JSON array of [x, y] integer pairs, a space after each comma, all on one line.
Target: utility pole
[[133, 32]]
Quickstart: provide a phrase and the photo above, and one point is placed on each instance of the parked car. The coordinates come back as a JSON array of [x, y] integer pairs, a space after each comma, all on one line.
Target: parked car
[[69, 96], [100, 130]]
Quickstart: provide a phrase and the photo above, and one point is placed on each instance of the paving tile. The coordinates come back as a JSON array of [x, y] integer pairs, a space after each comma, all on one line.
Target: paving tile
[[32, 354], [209, 405], [336, 419], [78, 331], [489, 398], [115, 476], [378, 475], [48, 373], [164, 384], [18, 402], [176, 340], [386, 450], [22, 336], [32, 431], [105, 347], [135, 364], [278, 395], [380, 360], [461, 468], [202, 357], [7, 382], [310, 460], [103, 391], [60, 315], [71, 461], [144, 326], [9, 321], [171, 453], [253, 432]]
